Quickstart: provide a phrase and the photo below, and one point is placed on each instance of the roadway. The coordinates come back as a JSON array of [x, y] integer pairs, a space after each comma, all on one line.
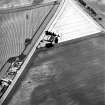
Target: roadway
[[40, 32], [70, 73], [32, 47], [14, 29], [26, 7]]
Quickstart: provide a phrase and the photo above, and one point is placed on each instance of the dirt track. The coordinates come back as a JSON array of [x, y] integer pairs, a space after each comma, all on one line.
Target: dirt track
[[16, 27]]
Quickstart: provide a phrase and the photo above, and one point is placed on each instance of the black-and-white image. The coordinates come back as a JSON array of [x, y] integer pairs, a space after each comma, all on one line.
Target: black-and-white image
[[52, 52]]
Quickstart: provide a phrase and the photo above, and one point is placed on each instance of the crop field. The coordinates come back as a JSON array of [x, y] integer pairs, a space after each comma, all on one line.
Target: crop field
[[15, 27], [69, 74]]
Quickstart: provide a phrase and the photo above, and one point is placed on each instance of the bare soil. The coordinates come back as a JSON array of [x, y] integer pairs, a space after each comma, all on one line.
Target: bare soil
[[70, 74]]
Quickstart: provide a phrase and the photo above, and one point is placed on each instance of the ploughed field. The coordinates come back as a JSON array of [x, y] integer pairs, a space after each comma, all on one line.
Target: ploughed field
[[16, 26], [72, 73], [99, 7]]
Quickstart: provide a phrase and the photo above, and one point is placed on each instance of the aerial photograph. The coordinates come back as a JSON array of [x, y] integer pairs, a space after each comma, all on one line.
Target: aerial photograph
[[52, 52]]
